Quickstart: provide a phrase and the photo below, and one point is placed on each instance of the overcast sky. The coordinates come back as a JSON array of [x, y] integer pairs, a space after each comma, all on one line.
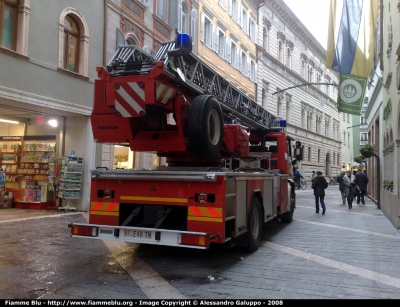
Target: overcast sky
[[314, 15]]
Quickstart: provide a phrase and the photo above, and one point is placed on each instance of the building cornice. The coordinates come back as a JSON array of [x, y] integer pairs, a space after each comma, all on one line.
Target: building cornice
[[280, 8]]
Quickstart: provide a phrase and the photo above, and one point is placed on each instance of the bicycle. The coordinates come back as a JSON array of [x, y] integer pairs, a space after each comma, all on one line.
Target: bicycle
[[332, 181], [301, 185]]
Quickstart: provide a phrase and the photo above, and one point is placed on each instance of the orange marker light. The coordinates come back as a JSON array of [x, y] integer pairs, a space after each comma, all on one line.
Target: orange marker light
[[194, 240]]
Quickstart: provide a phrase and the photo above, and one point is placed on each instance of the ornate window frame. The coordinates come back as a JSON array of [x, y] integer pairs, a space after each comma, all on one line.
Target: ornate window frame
[[83, 43]]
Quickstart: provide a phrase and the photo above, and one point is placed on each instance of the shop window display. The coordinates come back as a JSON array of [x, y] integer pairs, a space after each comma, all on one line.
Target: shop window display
[[29, 163]]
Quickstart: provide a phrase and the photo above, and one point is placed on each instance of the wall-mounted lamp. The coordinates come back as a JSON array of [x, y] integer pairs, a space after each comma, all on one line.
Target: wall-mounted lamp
[[53, 122], [9, 121], [343, 165]]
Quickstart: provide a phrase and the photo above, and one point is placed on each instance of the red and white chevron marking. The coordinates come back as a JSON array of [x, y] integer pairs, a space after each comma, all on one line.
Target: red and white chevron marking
[[163, 93], [130, 99]]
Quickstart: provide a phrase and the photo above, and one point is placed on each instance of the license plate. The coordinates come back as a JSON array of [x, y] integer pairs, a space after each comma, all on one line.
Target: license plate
[[137, 234]]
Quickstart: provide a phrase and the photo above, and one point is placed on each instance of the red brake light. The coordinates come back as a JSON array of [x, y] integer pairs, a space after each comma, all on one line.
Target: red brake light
[[84, 231]]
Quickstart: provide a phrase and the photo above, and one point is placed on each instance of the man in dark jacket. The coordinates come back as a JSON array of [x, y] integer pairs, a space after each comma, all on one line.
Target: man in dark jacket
[[361, 181], [341, 186], [319, 184]]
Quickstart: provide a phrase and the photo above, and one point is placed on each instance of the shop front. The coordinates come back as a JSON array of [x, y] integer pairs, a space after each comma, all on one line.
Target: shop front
[[32, 156]]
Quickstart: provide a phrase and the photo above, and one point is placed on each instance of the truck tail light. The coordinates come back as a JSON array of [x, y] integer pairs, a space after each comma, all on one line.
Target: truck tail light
[[199, 240], [88, 231]]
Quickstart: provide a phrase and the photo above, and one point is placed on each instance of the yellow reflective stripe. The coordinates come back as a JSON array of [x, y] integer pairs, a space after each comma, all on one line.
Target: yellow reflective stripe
[[204, 219], [157, 199], [104, 213]]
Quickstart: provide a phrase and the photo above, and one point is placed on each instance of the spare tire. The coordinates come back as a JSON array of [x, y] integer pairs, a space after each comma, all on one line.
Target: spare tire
[[205, 127]]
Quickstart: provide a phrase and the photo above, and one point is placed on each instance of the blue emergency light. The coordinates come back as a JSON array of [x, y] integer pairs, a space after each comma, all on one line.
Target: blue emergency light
[[282, 123], [183, 41]]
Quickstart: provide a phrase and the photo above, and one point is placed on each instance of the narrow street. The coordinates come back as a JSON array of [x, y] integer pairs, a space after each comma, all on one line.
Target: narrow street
[[346, 254]]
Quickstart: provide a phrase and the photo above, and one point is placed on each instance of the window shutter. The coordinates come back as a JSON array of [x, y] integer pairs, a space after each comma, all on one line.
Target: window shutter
[[173, 13], [230, 9], [255, 72], [248, 66], [237, 58], [180, 16], [239, 15], [193, 26], [246, 25], [202, 27], [228, 49], [215, 38]]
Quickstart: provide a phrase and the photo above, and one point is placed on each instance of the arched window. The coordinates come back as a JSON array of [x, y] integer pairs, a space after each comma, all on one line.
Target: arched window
[[318, 80], [289, 58], [287, 110], [310, 74], [73, 42], [132, 40], [71, 45], [280, 54], [8, 24], [279, 107], [265, 39], [264, 98]]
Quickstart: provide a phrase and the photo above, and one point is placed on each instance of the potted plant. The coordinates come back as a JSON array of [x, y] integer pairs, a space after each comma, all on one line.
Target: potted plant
[[368, 151], [385, 184], [390, 186], [360, 159]]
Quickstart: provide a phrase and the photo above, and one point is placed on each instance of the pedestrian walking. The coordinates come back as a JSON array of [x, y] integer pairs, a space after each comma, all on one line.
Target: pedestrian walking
[[297, 177], [361, 181], [319, 184], [339, 180], [349, 182]]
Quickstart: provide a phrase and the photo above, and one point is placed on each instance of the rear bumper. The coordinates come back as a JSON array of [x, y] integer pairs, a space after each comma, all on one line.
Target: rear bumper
[[187, 239]]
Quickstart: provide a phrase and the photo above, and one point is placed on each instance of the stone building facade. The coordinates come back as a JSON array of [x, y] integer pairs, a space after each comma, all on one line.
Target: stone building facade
[[294, 83]]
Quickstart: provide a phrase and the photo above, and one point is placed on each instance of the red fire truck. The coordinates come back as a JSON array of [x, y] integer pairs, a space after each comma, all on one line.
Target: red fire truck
[[228, 159]]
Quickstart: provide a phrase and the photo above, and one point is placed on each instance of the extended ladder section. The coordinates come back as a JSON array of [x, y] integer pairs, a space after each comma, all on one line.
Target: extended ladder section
[[188, 70]]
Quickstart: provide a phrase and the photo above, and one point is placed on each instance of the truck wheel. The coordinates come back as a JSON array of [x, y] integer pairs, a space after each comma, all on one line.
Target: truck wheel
[[287, 217], [205, 127], [254, 226]]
